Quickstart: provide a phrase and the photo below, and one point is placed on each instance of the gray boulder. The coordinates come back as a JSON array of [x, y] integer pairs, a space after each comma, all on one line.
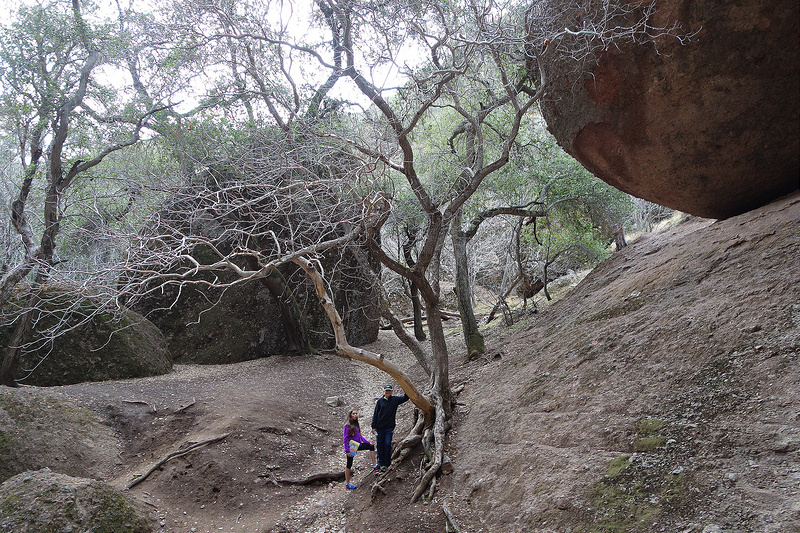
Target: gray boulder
[[111, 345], [47, 502], [40, 428]]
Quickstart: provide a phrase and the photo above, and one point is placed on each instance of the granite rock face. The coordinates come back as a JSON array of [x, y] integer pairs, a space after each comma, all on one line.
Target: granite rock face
[[708, 126]]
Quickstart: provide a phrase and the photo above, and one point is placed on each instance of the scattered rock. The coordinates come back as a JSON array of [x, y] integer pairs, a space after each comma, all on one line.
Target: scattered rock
[[722, 407], [333, 401], [447, 465]]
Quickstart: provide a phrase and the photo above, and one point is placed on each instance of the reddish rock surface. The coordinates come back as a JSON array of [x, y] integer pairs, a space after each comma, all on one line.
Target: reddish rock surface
[[710, 127]]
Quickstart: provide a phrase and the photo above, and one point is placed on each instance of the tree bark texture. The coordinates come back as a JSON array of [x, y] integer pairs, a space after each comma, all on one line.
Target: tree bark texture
[[416, 304], [8, 368], [469, 324], [343, 348]]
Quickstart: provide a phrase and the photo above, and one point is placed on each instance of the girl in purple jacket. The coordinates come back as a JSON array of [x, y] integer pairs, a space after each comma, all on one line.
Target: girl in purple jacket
[[352, 432]]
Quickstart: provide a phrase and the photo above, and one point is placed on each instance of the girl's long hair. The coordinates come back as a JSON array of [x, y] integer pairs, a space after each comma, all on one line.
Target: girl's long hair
[[353, 422]]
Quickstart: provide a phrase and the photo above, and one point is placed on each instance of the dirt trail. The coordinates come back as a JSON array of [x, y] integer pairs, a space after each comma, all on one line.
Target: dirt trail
[[279, 427]]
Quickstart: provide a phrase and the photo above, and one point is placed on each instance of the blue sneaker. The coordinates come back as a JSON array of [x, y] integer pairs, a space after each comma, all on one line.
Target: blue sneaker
[[376, 468], [349, 486]]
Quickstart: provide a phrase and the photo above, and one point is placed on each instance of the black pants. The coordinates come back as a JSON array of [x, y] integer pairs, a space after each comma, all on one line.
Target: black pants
[[361, 446]]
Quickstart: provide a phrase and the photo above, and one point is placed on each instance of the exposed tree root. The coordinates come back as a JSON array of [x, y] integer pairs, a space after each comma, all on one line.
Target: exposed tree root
[[413, 438], [378, 488], [433, 441], [321, 476], [170, 456], [452, 526]]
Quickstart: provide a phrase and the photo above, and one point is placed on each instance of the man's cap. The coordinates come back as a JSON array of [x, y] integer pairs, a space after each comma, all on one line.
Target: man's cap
[[388, 387]]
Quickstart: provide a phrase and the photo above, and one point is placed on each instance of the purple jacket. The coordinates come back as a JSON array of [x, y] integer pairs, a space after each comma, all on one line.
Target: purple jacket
[[347, 438]]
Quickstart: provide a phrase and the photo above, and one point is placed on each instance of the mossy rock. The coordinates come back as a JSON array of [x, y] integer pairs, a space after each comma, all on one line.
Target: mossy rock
[[648, 438], [631, 497], [47, 502], [40, 428], [112, 344]]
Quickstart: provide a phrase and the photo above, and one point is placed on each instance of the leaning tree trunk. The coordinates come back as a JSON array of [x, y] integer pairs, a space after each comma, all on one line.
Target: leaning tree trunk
[[416, 303], [416, 306], [619, 239], [436, 407], [343, 347], [8, 368], [46, 249], [13, 352], [469, 324]]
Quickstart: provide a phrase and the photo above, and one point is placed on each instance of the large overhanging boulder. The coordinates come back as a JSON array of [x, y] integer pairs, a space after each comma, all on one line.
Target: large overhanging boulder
[[708, 126]]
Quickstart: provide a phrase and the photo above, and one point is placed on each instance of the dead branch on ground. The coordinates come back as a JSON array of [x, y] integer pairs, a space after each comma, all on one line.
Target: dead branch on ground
[[320, 476], [315, 426], [141, 402], [172, 455], [185, 407]]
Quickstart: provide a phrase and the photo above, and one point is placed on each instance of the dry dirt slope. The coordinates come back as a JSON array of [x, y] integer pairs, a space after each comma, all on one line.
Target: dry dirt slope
[[662, 394]]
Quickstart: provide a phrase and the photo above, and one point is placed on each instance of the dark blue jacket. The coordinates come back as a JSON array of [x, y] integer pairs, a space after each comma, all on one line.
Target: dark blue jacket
[[385, 411]]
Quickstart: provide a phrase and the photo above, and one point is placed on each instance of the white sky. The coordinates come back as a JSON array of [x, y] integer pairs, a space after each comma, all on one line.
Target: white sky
[[299, 11]]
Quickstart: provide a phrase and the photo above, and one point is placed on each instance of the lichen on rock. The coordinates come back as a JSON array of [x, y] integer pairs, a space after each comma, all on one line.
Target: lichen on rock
[[47, 502]]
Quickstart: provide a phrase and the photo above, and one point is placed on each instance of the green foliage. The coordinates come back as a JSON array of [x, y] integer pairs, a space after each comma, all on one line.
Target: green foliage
[[581, 210]]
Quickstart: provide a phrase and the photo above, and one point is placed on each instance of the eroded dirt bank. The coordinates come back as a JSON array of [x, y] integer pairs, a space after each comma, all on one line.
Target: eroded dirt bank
[[661, 394]]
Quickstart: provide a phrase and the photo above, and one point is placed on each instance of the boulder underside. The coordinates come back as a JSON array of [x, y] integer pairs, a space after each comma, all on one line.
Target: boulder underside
[[709, 126]]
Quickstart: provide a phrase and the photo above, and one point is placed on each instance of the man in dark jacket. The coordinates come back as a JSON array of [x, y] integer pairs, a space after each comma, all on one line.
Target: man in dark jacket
[[383, 422]]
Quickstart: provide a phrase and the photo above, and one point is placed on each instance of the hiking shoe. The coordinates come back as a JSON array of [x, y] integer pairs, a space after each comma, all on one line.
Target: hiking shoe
[[349, 486], [383, 469], [376, 468]]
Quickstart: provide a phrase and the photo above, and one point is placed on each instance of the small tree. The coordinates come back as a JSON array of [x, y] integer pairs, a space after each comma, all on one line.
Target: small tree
[[56, 68]]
